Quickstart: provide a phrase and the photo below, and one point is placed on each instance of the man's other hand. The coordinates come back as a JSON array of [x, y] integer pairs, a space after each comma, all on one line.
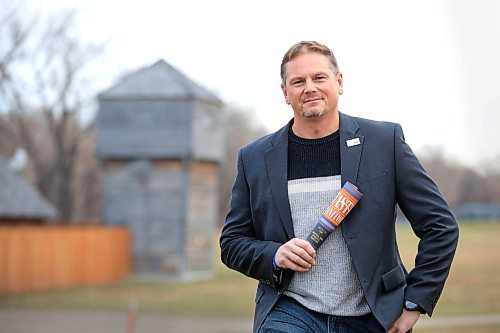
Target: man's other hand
[[405, 322]]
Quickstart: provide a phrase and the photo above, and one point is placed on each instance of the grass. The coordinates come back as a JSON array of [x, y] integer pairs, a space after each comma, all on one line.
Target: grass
[[472, 288], [229, 293]]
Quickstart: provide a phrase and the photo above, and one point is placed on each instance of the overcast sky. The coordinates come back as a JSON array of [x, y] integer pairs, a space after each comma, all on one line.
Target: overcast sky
[[431, 65]]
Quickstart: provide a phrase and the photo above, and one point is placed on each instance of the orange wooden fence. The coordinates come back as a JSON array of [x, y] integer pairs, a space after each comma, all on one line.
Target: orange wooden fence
[[43, 257]]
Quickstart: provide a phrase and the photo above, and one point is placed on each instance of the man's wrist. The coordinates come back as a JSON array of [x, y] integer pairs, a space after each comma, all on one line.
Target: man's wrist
[[412, 306], [275, 265]]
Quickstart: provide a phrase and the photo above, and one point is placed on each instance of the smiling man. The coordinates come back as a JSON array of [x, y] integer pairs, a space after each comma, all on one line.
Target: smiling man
[[312, 88], [356, 281]]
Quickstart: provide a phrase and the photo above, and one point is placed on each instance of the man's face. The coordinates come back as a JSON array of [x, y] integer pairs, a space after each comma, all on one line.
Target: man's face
[[312, 87]]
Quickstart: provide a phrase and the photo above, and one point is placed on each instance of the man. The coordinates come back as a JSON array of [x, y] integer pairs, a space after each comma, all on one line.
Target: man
[[356, 281]]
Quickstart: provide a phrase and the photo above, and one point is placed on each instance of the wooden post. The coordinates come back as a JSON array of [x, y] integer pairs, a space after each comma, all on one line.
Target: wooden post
[[132, 316]]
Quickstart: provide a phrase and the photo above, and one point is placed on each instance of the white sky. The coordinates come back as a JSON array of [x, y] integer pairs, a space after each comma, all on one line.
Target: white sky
[[431, 65]]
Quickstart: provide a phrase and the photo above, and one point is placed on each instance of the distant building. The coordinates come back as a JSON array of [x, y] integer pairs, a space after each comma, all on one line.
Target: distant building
[[21, 202], [478, 211], [160, 140]]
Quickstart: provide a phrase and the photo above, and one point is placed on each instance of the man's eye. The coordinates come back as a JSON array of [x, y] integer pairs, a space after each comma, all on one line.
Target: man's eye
[[320, 78], [297, 82]]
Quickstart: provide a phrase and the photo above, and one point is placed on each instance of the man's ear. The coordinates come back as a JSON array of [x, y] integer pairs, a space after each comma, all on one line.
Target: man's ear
[[285, 94], [340, 80]]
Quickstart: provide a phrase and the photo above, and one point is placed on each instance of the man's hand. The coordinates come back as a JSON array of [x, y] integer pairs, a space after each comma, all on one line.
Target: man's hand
[[405, 322], [296, 254]]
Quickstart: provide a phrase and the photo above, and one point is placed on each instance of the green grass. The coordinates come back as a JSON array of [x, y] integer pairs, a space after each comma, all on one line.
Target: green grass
[[229, 293], [472, 288]]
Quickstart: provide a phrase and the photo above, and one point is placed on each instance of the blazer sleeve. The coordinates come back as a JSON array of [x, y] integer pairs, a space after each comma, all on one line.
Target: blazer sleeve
[[241, 248], [432, 222]]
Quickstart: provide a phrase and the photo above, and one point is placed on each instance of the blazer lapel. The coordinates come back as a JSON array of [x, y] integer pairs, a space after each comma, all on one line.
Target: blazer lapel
[[277, 170], [350, 155], [350, 151]]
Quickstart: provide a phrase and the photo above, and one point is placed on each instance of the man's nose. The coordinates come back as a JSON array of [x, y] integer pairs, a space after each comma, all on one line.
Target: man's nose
[[309, 86]]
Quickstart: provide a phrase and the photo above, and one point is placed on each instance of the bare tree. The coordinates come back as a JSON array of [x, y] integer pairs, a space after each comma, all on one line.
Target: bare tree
[[14, 35], [44, 89], [460, 183], [446, 173], [241, 129], [491, 172]]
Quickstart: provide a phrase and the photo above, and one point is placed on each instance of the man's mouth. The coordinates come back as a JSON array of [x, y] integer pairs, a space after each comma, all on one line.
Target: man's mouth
[[312, 100]]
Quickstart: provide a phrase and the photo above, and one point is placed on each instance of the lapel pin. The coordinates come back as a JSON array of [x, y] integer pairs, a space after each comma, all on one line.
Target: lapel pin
[[353, 142]]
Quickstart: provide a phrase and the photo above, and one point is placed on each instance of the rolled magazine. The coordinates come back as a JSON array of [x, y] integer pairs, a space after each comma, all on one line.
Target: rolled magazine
[[338, 209]]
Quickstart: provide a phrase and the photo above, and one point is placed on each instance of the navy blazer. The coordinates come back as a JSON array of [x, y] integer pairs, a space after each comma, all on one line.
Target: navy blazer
[[387, 173]]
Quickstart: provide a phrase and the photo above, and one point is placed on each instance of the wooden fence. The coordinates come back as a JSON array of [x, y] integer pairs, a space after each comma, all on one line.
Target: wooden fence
[[42, 257]]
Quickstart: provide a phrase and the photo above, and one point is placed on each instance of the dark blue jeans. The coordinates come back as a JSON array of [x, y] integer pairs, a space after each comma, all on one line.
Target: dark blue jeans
[[288, 316]]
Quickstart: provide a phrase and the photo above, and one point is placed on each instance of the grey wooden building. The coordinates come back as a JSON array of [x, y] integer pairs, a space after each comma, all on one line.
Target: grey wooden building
[[160, 140]]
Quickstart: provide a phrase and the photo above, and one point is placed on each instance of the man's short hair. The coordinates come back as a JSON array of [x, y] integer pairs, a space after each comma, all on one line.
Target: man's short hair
[[303, 47]]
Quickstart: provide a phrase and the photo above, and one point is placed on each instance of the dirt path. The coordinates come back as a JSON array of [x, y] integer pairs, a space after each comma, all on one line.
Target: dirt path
[[14, 320]]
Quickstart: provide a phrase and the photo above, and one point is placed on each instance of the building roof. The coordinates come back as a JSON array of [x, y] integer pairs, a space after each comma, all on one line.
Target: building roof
[[19, 199], [159, 113], [159, 81]]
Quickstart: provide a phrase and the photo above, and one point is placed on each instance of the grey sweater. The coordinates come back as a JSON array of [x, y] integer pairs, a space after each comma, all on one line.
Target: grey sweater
[[332, 286]]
